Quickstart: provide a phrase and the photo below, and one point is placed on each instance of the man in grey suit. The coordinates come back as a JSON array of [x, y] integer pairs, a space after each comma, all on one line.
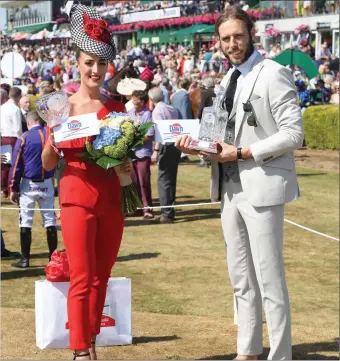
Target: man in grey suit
[[254, 175], [181, 100]]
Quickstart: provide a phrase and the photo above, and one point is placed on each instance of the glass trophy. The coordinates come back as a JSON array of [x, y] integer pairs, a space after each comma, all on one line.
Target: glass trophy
[[211, 127], [53, 107]]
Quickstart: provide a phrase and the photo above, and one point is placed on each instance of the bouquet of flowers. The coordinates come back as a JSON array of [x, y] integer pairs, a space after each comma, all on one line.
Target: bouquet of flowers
[[118, 136]]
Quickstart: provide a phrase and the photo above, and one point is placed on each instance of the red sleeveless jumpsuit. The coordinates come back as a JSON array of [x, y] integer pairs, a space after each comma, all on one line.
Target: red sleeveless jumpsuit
[[92, 228]]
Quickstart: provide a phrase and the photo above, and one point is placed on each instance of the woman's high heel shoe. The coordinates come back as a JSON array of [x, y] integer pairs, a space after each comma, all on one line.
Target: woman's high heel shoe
[[75, 355]]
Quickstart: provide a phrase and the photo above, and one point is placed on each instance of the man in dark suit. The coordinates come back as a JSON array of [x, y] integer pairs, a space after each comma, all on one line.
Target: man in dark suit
[[25, 108], [181, 100]]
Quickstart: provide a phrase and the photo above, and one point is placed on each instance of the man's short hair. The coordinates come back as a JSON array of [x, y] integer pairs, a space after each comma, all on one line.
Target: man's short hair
[[141, 95], [184, 83], [156, 95], [34, 117], [165, 81], [15, 92], [234, 13]]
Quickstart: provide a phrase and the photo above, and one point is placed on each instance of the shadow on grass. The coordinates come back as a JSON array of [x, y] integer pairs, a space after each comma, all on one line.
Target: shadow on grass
[[310, 174], [197, 214], [40, 255], [133, 257], [30, 272], [147, 339], [183, 215], [305, 351]]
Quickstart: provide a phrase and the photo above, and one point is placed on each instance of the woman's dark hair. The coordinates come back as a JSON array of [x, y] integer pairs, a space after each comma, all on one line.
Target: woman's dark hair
[[78, 51], [234, 13], [141, 95]]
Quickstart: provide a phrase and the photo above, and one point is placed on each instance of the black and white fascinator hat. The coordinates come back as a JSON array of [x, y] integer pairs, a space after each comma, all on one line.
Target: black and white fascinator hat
[[89, 31]]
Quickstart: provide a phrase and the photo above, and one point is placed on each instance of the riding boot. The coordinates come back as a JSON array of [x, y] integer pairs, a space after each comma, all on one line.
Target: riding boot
[[52, 239], [25, 241]]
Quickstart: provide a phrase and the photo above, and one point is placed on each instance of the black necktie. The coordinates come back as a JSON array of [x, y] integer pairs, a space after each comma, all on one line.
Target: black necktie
[[230, 93]]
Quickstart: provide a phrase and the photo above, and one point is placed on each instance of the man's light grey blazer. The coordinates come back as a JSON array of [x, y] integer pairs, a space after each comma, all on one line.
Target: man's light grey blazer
[[269, 178]]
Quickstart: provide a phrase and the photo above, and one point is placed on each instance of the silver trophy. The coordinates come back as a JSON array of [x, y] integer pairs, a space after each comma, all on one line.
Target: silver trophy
[[53, 107], [211, 127]]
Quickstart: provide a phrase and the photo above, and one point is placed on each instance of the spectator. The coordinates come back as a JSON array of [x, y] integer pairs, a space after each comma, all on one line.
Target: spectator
[[320, 95], [25, 108], [11, 129], [325, 53], [168, 161], [335, 93], [64, 76], [304, 98], [31, 183], [140, 173], [188, 65], [166, 89], [181, 100], [207, 94], [5, 253], [159, 73], [48, 77]]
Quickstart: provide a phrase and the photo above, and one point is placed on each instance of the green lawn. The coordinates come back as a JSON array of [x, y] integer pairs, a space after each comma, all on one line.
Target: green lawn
[[179, 272]]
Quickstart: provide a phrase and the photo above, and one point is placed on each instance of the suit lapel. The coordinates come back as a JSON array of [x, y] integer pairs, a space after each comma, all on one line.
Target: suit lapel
[[225, 81], [245, 92]]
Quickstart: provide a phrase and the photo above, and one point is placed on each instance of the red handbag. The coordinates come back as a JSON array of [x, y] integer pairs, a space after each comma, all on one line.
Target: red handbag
[[57, 270]]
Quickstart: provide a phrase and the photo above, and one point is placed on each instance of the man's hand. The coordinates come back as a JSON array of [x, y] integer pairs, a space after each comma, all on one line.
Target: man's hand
[[14, 197], [182, 144], [225, 153]]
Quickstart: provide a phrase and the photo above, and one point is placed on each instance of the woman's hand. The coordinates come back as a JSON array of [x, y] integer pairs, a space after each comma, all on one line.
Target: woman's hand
[[51, 131], [126, 167], [182, 144]]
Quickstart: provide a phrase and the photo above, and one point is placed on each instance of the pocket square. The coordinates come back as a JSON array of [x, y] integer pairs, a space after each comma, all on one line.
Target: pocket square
[[254, 97]]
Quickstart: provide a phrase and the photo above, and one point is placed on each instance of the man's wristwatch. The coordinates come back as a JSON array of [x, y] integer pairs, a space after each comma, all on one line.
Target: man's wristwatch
[[239, 153]]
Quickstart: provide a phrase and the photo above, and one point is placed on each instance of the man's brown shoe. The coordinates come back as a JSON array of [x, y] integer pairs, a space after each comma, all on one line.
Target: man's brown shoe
[[164, 220]]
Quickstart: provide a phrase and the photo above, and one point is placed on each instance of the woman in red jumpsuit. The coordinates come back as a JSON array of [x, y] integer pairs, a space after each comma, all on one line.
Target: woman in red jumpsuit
[[92, 223]]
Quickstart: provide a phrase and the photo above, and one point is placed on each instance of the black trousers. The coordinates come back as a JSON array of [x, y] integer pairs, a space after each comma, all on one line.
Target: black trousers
[[169, 157]]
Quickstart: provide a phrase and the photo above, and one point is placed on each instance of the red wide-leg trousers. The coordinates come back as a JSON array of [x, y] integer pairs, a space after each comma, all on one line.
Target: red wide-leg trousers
[[92, 239]]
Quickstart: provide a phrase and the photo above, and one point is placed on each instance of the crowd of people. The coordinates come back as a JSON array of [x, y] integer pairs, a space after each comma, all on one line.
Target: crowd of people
[[187, 7], [176, 80], [169, 83]]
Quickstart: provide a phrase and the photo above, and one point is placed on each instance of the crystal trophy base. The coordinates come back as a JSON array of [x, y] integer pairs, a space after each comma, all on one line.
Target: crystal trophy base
[[207, 132], [206, 146]]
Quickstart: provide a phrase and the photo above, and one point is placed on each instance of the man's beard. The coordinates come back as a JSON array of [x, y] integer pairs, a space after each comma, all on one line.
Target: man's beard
[[250, 50]]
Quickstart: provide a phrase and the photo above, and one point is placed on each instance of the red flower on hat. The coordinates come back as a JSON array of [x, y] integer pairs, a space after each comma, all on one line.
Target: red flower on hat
[[97, 29]]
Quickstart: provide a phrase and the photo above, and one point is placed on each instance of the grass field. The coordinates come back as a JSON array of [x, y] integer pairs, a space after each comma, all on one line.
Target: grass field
[[182, 299]]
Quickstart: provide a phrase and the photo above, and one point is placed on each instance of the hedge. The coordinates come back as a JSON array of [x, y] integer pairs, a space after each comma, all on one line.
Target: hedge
[[321, 123]]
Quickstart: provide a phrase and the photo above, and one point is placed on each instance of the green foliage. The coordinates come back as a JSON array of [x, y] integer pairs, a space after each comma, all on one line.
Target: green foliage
[[92, 151], [119, 149], [321, 125], [107, 162]]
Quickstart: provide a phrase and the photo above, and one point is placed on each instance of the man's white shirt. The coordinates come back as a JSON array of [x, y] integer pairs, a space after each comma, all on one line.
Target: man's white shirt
[[10, 120]]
